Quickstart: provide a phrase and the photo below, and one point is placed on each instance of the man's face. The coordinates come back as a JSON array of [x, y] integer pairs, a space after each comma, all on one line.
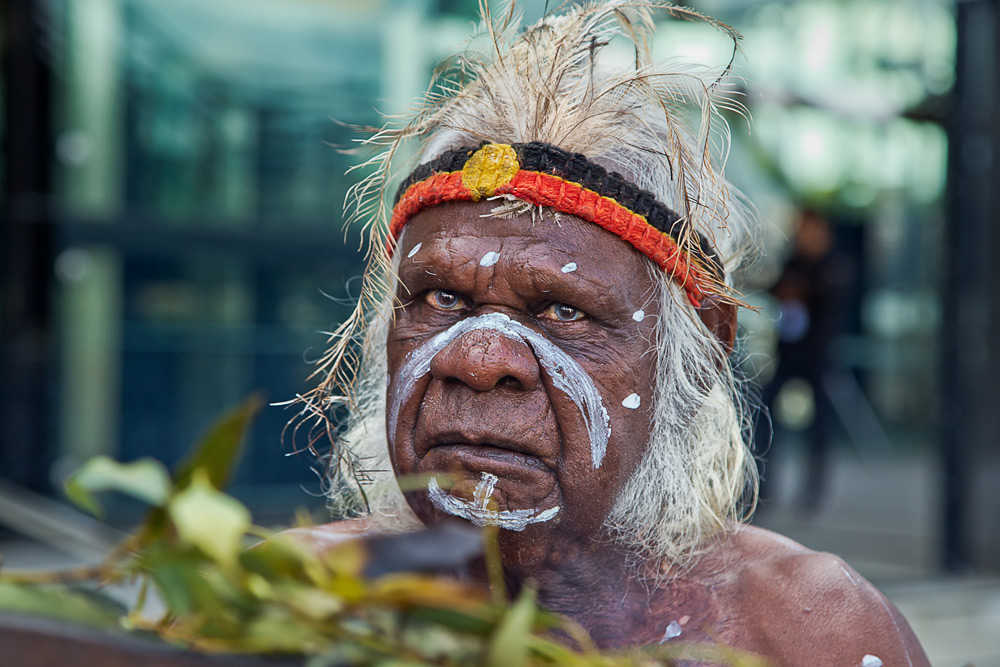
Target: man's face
[[520, 365]]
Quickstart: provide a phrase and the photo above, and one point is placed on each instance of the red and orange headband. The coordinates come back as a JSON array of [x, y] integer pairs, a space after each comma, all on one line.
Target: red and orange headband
[[545, 175]]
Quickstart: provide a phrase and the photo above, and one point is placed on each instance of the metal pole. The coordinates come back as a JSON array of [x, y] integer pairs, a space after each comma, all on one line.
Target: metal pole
[[970, 349], [25, 249]]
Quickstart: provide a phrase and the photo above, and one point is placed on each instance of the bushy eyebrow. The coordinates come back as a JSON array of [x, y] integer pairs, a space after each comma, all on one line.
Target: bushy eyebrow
[[430, 268], [576, 288]]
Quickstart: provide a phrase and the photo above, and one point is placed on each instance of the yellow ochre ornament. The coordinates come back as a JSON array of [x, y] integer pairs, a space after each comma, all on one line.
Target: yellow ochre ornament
[[490, 167]]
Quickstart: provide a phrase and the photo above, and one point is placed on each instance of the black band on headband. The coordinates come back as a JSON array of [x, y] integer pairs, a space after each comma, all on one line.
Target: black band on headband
[[575, 167]]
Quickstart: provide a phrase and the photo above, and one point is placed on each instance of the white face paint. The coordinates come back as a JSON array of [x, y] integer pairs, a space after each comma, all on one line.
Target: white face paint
[[569, 268], [565, 373], [484, 490], [414, 250], [871, 661], [478, 511], [632, 401], [673, 630], [489, 259], [638, 315]]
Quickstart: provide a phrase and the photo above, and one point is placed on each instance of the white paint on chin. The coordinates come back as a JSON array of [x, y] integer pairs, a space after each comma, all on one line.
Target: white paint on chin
[[871, 661], [477, 510], [632, 401], [484, 490], [569, 268], [414, 250], [638, 315], [567, 375], [489, 259]]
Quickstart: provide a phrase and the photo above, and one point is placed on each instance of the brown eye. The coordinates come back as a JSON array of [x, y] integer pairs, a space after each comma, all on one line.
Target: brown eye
[[561, 312], [444, 300]]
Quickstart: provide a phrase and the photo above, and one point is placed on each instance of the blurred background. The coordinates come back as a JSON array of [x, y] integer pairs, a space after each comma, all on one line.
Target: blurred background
[[171, 241]]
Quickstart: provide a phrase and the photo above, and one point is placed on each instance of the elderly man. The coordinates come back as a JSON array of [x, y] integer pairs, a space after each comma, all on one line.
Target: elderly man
[[543, 345]]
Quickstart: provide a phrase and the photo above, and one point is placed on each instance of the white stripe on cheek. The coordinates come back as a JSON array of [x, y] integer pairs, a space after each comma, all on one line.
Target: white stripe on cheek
[[567, 375]]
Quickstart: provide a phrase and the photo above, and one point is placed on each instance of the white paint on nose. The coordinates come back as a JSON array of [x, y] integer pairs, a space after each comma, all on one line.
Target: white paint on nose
[[414, 250], [489, 259], [871, 661], [569, 268], [566, 374]]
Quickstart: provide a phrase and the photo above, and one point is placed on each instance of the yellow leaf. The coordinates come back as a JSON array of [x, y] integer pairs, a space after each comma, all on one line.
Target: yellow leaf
[[348, 558], [412, 589], [210, 520], [509, 647], [312, 602], [145, 479]]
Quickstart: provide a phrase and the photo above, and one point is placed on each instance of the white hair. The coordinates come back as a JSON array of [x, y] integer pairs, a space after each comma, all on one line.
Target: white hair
[[696, 478], [662, 128], [698, 475]]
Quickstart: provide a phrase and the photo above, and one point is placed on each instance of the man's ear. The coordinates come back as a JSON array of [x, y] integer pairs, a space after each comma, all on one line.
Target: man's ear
[[720, 318]]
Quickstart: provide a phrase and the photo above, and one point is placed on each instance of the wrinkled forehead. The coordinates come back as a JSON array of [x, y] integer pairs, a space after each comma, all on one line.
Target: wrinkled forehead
[[495, 218], [546, 244]]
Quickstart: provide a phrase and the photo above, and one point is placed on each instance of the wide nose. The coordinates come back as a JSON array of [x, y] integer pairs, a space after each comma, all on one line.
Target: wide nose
[[484, 359]]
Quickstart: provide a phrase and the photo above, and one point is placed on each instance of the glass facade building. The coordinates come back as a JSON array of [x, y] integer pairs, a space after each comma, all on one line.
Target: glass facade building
[[175, 172]]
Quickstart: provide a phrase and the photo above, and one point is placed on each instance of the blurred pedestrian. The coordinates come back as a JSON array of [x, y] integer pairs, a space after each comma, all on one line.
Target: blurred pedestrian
[[811, 290]]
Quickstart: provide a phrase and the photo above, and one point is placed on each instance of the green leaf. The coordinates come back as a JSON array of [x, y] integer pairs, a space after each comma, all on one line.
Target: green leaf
[[145, 479], [218, 450], [277, 558], [701, 652], [452, 618], [273, 630], [60, 603], [550, 651], [509, 647], [310, 602], [210, 520], [179, 578]]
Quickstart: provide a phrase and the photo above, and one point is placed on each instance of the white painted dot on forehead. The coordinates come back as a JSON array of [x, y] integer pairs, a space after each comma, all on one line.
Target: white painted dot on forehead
[[638, 315], [489, 259], [871, 661], [414, 250], [632, 401], [569, 268]]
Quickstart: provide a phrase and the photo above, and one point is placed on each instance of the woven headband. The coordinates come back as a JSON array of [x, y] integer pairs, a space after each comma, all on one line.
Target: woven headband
[[544, 175]]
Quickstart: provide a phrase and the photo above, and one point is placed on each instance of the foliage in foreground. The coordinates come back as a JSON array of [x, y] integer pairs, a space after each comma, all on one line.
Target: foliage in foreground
[[279, 596]]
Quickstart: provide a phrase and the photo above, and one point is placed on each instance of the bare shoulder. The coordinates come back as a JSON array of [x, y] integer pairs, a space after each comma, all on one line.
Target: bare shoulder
[[329, 535], [799, 606]]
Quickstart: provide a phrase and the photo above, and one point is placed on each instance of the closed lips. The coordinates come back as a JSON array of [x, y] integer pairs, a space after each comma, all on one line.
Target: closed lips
[[493, 452], [488, 439]]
